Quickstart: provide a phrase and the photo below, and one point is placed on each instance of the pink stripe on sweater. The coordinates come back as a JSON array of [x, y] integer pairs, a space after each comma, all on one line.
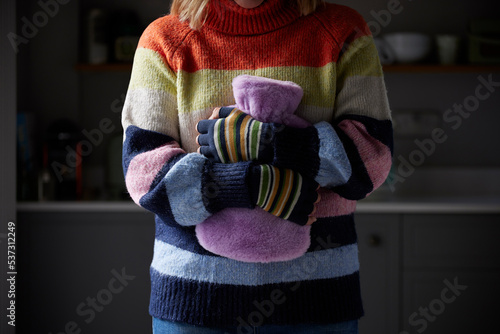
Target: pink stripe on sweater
[[145, 166], [376, 156], [331, 205]]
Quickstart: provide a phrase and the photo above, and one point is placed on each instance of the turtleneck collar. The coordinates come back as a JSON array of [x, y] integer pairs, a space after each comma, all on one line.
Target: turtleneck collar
[[228, 17]]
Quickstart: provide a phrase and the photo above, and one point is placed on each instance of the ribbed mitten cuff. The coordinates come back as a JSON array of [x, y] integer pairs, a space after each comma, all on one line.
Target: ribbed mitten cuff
[[225, 186], [297, 149], [283, 192]]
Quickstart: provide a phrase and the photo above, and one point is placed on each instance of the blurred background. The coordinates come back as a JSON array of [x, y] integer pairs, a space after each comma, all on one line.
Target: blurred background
[[427, 237]]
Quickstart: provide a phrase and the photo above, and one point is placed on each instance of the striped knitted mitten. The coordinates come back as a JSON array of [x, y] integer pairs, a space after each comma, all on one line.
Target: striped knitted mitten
[[283, 192], [236, 136]]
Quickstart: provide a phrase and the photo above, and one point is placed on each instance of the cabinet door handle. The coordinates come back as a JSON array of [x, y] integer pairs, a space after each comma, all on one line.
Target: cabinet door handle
[[374, 240]]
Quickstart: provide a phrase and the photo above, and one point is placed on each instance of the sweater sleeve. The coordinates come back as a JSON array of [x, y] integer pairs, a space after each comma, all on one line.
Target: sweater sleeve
[[362, 115], [159, 174]]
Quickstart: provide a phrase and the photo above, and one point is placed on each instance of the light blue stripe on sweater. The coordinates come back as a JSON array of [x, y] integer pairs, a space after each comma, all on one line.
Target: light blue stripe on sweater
[[335, 168], [183, 183], [330, 263]]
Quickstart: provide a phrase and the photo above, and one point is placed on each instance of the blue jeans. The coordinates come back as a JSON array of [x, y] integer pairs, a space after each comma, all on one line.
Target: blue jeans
[[169, 327]]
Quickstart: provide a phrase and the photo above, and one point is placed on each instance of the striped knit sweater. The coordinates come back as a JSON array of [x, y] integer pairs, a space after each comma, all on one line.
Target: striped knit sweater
[[179, 76]]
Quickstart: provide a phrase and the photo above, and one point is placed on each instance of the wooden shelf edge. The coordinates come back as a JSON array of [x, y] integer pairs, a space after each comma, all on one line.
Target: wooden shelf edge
[[436, 68], [83, 206]]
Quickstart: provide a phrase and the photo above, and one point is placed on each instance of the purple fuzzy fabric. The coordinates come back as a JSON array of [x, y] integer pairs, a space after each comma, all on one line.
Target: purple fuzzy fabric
[[268, 100], [256, 235], [253, 236]]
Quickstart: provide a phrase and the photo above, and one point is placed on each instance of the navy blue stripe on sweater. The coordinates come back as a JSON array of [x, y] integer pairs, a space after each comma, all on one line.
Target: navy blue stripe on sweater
[[183, 237], [360, 184], [168, 165], [158, 194], [332, 232], [139, 141], [378, 129], [319, 301]]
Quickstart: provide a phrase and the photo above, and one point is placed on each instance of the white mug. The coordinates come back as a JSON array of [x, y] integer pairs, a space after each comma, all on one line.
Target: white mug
[[447, 48]]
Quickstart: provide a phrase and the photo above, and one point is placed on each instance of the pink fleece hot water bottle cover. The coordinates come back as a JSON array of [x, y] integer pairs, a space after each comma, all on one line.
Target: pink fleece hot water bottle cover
[[254, 235]]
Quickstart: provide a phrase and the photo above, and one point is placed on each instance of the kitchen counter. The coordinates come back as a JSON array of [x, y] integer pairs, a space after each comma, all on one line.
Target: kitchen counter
[[430, 204], [428, 190], [377, 204]]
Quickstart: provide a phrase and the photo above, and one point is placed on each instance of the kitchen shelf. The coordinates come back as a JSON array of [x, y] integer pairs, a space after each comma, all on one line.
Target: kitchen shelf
[[77, 206], [414, 205]]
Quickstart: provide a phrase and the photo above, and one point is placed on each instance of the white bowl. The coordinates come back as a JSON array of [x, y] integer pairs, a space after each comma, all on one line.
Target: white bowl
[[409, 47]]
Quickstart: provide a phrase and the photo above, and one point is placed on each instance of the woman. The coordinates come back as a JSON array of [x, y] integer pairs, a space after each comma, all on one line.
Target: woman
[[182, 71]]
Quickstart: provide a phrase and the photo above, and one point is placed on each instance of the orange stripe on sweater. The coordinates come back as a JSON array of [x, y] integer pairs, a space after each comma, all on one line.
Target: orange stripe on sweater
[[209, 49]]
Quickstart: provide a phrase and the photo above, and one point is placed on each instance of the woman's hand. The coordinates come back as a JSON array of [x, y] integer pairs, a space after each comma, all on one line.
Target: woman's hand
[[230, 135], [284, 193]]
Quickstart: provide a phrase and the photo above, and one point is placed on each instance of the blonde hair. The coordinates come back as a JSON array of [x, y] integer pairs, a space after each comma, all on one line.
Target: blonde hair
[[194, 11]]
